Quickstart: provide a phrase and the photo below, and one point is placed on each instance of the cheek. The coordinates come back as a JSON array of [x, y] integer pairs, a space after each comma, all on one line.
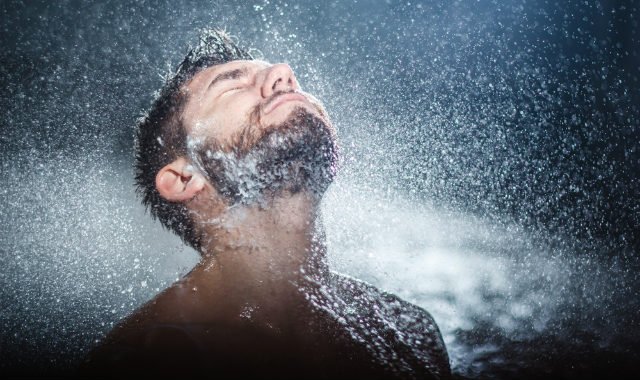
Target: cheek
[[206, 126], [222, 121], [228, 128], [216, 122]]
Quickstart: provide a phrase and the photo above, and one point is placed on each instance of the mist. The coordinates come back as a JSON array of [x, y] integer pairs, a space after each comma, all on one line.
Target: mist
[[489, 169]]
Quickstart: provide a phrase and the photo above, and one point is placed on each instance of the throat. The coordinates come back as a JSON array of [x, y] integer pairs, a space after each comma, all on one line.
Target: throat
[[259, 258]]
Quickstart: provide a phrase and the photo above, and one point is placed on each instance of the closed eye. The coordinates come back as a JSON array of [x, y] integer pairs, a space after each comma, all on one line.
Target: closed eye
[[229, 76], [231, 89]]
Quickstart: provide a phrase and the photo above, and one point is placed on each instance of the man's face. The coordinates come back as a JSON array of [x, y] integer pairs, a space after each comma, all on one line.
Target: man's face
[[253, 132], [224, 99]]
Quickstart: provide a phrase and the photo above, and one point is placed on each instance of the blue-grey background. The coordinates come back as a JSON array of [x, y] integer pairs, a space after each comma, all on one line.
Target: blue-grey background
[[490, 168]]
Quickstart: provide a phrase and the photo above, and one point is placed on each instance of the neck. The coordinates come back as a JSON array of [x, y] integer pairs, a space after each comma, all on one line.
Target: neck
[[259, 256]]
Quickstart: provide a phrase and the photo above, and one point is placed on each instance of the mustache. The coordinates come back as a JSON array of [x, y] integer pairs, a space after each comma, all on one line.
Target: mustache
[[274, 96], [258, 110]]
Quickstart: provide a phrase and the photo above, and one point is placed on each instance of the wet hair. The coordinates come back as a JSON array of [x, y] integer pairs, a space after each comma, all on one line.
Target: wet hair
[[161, 137]]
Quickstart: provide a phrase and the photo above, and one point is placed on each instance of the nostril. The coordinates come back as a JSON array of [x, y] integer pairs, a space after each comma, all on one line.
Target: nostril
[[276, 83]]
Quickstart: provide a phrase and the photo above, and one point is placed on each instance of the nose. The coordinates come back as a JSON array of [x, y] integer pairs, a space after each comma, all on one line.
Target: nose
[[279, 77]]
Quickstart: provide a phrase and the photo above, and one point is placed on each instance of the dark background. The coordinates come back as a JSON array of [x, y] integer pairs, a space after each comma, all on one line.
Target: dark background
[[520, 112]]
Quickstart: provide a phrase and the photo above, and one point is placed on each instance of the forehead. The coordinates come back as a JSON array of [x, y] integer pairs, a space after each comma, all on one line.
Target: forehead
[[203, 77]]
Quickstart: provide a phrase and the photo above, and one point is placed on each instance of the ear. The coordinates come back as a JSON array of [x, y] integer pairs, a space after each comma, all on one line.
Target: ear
[[177, 182]]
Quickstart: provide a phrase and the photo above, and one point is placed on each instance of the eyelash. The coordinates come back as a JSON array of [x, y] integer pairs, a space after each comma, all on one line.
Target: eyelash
[[232, 89]]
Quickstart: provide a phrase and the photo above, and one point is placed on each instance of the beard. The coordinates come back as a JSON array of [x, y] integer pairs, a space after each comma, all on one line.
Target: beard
[[298, 155]]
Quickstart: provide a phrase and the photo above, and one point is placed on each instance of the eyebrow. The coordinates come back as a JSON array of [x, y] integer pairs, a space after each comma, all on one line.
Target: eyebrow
[[227, 75]]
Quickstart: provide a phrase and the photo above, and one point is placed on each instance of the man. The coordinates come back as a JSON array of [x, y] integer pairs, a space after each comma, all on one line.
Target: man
[[234, 158]]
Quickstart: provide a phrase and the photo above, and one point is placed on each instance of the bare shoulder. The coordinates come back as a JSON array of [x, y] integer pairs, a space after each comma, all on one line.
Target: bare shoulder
[[407, 314], [165, 308], [152, 325], [403, 328]]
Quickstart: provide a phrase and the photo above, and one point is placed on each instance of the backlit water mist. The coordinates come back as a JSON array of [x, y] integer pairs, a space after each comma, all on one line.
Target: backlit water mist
[[489, 173]]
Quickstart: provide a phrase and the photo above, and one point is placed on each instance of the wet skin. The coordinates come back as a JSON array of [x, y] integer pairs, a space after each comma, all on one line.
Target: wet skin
[[262, 301], [181, 333]]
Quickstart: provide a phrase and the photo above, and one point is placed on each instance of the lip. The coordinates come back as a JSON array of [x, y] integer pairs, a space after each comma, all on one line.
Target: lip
[[281, 99]]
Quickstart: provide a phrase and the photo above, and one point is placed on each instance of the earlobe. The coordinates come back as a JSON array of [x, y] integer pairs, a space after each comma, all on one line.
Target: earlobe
[[177, 183]]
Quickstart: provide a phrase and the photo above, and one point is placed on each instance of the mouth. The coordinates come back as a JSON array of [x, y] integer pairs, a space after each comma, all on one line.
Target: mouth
[[284, 98]]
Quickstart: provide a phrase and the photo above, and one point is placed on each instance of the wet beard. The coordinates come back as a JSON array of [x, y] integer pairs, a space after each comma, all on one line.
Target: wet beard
[[297, 155]]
